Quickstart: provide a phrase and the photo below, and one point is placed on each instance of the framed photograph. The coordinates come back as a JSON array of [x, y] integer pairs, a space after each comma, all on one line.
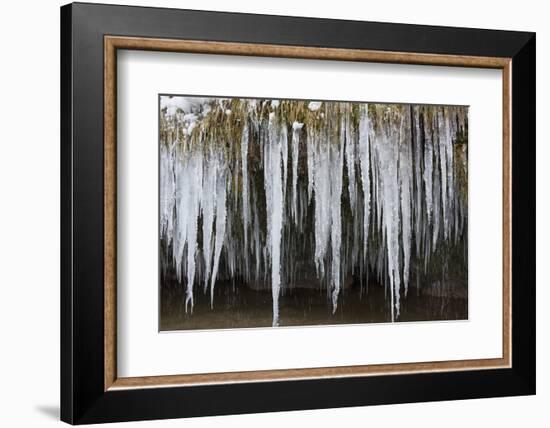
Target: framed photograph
[[265, 213]]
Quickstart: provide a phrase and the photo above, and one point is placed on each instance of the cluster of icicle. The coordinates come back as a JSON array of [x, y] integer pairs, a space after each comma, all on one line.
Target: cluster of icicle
[[247, 187]]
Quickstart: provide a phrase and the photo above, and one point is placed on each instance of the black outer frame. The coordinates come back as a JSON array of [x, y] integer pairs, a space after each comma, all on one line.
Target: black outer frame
[[83, 399]]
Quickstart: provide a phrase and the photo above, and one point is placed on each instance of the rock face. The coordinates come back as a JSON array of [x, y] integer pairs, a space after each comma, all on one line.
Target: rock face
[[281, 193], [302, 282], [448, 289]]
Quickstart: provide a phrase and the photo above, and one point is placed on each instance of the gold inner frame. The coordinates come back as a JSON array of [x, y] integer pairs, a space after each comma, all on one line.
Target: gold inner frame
[[113, 43]]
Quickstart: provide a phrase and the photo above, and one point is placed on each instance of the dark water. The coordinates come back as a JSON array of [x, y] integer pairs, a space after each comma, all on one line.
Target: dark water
[[242, 307]]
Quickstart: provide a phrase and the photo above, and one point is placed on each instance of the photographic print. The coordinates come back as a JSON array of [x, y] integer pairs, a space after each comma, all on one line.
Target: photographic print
[[282, 212]]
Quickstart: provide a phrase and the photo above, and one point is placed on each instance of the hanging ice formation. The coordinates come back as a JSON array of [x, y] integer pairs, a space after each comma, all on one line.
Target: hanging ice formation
[[272, 192]]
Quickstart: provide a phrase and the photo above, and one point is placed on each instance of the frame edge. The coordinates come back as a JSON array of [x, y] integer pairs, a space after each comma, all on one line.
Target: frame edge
[[523, 215], [66, 316]]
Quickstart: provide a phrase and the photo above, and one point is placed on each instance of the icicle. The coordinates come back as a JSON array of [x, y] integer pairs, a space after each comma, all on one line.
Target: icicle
[[190, 184], [296, 128], [167, 192], [350, 162], [322, 191], [436, 198], [428, 165], [406, 179], [208, 207], [283, 141], [310, 147], [273, 181], [386, 145], [418, 181], [245, 197], [335, 204], [221, 213], [364, 158], [443, 168], [448, 143]]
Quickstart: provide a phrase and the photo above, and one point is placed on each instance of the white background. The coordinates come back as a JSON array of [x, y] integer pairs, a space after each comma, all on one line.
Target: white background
[[142, 351], [29, 219]]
